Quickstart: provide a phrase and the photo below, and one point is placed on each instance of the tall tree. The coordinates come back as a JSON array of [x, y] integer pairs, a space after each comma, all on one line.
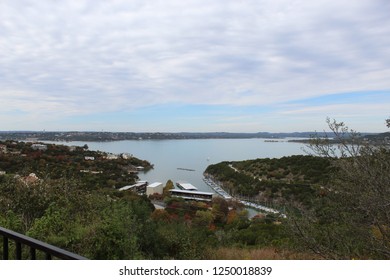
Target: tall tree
[[168, 186], [353, 219]]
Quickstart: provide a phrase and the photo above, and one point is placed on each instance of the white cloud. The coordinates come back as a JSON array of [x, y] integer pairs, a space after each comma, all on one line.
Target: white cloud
[[341, 110]]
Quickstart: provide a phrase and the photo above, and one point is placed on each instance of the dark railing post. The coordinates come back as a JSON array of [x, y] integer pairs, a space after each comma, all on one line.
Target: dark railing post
[[18, 250], [33, 255], [34, 244], [5, 248]]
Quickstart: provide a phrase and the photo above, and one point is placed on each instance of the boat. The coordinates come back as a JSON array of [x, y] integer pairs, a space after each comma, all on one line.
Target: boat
[[185, 169]]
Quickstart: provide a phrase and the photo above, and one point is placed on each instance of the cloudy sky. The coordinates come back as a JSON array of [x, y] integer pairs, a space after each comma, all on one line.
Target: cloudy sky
[[194, 65]]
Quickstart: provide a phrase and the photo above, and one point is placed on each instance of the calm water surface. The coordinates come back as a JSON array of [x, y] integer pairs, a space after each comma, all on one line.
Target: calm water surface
[[169, 155]]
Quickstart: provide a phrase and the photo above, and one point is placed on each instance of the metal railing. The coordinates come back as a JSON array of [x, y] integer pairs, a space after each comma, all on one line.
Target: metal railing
[[34, 245]]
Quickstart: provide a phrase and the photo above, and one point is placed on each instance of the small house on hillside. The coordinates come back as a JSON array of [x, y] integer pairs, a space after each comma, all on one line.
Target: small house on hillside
[[89, 158], [3, 148], [40, 147]]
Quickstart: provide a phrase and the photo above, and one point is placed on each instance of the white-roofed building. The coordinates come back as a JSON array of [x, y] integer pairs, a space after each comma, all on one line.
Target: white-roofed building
[[153, 188], [186, 186]]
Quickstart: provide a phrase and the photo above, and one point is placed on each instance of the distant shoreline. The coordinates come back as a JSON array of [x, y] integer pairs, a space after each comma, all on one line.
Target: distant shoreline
[[119, 136], [35, 136]]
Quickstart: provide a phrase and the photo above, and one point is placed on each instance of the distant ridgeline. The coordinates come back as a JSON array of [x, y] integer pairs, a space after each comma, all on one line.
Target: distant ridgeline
[[118, 136], [288, 179]]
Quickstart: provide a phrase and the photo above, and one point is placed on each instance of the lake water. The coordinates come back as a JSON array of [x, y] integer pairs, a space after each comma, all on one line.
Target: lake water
[[169, 155]]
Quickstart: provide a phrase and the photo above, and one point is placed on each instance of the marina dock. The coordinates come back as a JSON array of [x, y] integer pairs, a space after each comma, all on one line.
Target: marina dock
[[218, 189]]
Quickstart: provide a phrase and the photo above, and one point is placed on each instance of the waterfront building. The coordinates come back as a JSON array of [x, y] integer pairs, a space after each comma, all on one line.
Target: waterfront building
[[139, 187], [156, 187], [192, 195]]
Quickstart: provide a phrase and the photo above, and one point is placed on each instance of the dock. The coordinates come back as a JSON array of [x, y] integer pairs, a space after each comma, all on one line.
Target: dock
[[225, 195], [217, 188]]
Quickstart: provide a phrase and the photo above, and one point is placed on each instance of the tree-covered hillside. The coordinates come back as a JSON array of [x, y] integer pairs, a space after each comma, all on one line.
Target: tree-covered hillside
[[294, 178], [96, 169]]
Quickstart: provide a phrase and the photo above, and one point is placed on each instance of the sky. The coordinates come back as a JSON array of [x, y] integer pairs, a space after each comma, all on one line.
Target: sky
[[194, 65]]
